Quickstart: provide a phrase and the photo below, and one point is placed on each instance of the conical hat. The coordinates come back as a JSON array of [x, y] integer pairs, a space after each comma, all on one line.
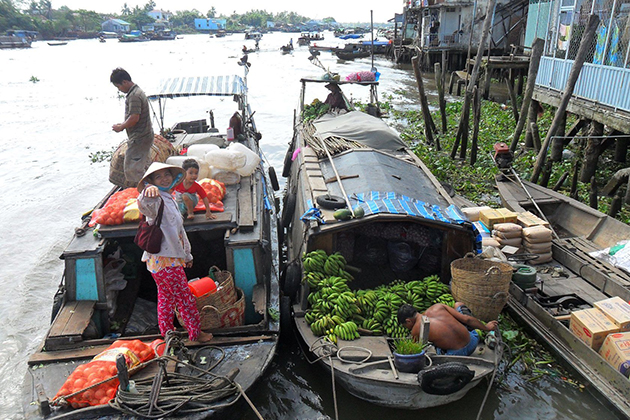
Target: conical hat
[[158, 166]]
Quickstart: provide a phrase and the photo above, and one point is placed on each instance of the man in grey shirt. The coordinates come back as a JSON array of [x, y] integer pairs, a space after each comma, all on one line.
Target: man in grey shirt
[[138, 126]]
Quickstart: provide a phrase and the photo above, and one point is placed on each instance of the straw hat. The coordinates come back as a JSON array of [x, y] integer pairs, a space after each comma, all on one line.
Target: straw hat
[[157, 166]]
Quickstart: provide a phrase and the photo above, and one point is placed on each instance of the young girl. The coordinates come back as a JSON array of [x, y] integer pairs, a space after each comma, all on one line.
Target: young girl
[[167, 266], [188, 193]]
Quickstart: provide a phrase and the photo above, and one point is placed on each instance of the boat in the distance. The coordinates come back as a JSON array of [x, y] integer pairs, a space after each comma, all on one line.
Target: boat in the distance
[[356, 193], [91, 313]]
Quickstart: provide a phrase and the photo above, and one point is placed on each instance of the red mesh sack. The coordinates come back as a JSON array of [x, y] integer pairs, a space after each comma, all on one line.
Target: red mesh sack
[[113, 210], [100, 368]]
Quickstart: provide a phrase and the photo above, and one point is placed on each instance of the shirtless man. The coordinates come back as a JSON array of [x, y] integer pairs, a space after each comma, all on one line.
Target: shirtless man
[[447, 329]]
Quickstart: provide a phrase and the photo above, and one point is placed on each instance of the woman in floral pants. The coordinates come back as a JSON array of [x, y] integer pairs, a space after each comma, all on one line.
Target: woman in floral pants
[[167, 266]]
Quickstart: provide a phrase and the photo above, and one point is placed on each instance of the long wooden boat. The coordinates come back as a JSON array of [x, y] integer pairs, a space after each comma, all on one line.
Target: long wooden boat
[[371, 167], [585, 279], [14, 41], [241, 240], [351, 55]]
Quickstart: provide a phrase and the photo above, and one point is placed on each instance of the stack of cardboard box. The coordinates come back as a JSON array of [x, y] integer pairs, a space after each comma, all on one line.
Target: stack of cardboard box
[[606, 329]]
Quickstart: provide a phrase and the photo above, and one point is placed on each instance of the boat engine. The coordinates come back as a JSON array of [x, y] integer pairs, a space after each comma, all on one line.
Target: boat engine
[[503, 157]]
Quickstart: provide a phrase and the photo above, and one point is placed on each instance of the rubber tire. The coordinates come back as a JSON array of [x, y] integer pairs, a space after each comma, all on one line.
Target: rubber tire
[[330, 202], [286, 169], [292, 279], [288, 209], [273, 179], [445, 379]]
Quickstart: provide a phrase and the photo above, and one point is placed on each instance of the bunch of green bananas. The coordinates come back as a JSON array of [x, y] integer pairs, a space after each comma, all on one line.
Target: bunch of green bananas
[[314, 279], [394, 329], [372, 325], [446, 299], [322, 325], [335, 264], [347, 331], [314, 261]]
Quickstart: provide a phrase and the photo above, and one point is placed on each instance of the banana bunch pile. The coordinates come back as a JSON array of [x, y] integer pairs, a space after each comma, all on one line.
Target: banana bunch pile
[[337, 312]]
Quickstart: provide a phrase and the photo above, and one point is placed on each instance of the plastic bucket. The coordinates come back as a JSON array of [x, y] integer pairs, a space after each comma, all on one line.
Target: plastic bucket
[[202, 286]]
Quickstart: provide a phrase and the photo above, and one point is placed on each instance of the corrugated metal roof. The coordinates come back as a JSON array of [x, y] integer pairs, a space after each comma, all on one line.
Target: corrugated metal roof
[[199, 86]]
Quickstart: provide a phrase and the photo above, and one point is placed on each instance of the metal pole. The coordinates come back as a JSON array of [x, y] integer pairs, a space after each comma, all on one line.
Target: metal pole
[[372, 31]]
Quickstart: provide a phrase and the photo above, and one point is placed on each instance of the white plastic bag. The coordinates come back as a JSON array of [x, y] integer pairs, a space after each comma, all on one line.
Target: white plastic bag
[[252, 159], [230, 160]]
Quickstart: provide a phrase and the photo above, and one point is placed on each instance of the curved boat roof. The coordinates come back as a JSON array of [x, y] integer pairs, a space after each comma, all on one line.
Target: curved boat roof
[[175, 87]]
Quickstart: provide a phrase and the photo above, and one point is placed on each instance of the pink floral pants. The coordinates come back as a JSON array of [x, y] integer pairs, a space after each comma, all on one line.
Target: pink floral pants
[[173, 291]]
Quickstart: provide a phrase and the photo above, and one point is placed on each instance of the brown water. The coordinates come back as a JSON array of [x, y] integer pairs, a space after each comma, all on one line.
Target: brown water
[[48, 130]]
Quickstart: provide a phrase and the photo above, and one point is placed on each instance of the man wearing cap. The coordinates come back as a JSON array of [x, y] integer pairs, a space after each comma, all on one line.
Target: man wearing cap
[[137, 124], [335, 98]]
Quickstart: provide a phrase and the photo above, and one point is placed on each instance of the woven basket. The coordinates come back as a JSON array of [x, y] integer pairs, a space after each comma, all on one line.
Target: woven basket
[[161, 149], [482, 285], [227, 316], [225, 295]]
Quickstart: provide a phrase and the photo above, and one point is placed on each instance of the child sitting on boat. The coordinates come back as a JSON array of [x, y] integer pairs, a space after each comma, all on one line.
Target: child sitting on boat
[[167, 266], [448, 327], [187, 193]]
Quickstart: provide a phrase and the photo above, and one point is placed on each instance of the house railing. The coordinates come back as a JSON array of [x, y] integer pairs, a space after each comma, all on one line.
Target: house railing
[[606, 85]]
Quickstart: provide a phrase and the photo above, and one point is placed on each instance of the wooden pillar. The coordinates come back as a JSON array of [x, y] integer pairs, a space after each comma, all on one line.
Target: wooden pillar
[[532, 117], [592, 151], [557, 143], [592, 195], [440, 88], [533, 128], [476, 121], [585, 45], [513, 100], [561, 181], [546, 174], [615, 205], [521, 75], [463, 121], [529, 106], [424, 104], [621, 149]]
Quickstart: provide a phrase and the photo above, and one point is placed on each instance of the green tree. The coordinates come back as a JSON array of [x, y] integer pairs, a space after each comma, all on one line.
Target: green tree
[[139, 17], [185, 18], [212, 13], [149, 6], [125, 10]]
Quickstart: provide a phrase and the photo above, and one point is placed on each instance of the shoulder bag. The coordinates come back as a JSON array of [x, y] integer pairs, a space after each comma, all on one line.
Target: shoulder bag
[[149, 237]]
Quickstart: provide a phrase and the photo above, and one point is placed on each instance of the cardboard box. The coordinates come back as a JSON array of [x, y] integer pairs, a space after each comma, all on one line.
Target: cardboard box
[[472, 213], [617, 310], [490, 217], [591, 326], [616, 351], [529, 219]]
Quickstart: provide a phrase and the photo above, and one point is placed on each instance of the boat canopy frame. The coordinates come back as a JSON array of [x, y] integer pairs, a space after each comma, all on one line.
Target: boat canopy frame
[[190, 86]]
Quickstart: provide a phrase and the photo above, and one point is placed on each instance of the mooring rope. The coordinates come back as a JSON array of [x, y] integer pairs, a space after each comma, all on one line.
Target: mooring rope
[[500, 345]]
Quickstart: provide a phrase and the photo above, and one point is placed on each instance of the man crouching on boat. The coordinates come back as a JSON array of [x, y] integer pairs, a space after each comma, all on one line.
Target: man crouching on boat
[[448, 328]]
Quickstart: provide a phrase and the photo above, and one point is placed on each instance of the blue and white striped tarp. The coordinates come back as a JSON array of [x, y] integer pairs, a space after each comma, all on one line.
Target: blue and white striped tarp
[[374, 202], [199, 86]]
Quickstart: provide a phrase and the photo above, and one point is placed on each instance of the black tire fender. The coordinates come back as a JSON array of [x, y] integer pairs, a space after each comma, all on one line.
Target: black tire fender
[[273, 179], [330, 202], [288, 209], [445, 379], [286, 169], [292, 279]]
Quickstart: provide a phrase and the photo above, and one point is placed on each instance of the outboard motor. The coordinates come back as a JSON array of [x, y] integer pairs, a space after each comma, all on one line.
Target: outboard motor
[[503, 157]]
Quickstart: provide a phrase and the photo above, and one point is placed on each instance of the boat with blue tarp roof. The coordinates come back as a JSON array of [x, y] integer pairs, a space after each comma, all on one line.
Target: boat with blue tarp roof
[[363, 214]]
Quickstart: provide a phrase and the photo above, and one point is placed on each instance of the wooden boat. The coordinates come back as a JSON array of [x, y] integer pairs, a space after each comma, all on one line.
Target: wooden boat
[[253, 35], [166, 35], [243, 240], [585, 279], [286, 48], [14, 41], [55, 44], [351, 54], [370, 167], [133, 38]]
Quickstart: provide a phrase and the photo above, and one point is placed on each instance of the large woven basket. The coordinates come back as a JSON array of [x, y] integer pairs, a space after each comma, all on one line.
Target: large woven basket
[[161, 149], [224, 296], [482, 285]]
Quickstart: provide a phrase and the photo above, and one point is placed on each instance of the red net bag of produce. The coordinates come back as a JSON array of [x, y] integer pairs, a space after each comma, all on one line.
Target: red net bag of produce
[[113, 211], [100, 368], [215, 189]]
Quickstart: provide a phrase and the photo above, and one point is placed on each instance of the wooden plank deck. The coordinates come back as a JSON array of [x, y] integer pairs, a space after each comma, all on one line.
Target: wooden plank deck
[[69, 324]]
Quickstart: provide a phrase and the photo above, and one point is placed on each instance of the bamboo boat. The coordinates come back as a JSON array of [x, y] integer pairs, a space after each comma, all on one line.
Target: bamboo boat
[[353, 159], [241, 240]]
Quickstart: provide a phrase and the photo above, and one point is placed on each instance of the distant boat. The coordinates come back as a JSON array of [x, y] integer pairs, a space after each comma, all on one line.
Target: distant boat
[[13, 41], [351, 55], [163, 35], [133, 38], [351, 36], [56, 44]]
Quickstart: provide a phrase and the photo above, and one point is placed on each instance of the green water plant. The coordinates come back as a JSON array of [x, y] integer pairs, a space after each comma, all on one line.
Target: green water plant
[[33, 79], [406, 346]]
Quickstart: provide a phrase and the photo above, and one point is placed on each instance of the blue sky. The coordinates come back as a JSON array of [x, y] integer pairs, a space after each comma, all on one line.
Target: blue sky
[[342, 11]]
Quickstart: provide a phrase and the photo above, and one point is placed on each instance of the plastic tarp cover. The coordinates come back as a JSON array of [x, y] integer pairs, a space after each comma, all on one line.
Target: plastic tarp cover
[[361, 127]]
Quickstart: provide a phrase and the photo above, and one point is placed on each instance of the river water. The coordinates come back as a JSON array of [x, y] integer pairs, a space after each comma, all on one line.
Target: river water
[[57, 107]]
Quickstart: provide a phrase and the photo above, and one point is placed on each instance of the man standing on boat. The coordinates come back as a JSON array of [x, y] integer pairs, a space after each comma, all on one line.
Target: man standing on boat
[[452, 331], [138, 126]]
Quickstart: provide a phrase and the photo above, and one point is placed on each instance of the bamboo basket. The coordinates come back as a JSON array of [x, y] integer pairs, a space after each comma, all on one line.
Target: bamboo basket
[[224, 296], [482, 285], [161, 149]]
